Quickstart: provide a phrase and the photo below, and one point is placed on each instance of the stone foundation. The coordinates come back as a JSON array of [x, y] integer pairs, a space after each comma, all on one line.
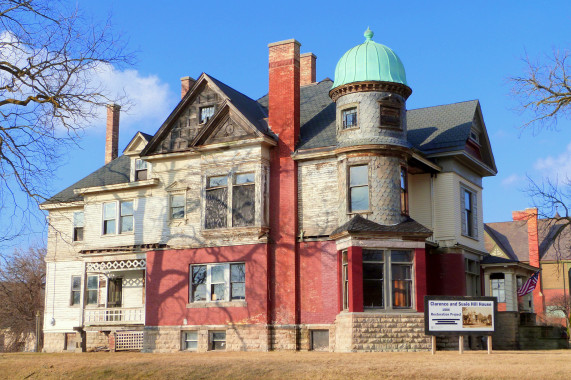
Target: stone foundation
[[238, 338], [380, 332], [54, 342]]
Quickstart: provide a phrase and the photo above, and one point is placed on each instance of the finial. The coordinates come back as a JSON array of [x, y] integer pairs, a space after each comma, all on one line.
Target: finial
[[368, 34]]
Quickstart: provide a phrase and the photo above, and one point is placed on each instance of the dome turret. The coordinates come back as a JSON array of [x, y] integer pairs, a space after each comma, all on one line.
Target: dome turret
[[369, 61]]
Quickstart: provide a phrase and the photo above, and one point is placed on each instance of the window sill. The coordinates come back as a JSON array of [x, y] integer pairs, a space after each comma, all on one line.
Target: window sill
[[350, 213], [121, 234], [235, 231], [356, 128], [206, 304], [470, 237]]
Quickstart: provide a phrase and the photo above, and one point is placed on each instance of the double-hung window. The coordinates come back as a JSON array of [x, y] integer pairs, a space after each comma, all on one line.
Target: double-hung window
[[78, 223], [113, 211], [206, 113], [469, 217], [216, 202], [75, 290], [387, 279], [243, 200], [359, 188], [472, 269], [140, 170], [217, 282], [498, 286], [177, 206], [92, 290]]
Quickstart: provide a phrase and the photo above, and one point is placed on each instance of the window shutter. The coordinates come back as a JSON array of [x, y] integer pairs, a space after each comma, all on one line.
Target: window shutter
[[474, 198], [463, 212]]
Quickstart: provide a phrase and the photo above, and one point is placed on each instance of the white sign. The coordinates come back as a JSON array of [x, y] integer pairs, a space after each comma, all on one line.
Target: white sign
[[461, 316]]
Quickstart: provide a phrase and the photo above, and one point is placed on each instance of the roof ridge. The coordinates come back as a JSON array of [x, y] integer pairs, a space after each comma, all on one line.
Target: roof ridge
[[444, 105]]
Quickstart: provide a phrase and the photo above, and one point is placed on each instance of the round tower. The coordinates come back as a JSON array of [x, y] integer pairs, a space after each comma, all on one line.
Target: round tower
[[370, 92]]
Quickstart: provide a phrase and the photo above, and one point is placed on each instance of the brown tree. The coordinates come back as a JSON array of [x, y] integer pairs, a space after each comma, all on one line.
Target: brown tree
[[22, 285], [49, 55], [545, 90]]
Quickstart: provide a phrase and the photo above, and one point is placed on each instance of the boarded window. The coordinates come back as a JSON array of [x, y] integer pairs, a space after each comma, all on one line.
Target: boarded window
[[320, 340], [243, 200], [390, 112], [216, 202]]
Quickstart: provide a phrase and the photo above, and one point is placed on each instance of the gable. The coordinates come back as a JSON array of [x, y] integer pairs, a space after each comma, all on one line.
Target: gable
[[137, 144], [229, 130], [184, 128]]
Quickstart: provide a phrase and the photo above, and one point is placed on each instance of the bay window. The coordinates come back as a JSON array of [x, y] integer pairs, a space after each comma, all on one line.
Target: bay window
[[217, 282], [236, 190], [216, 202], [498, 286], [388, 279]]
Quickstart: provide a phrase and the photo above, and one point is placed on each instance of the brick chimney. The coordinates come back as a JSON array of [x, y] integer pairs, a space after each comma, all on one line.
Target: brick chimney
[[283, 119], [307, 68], [112, 136], [529, 215], [185, 85]]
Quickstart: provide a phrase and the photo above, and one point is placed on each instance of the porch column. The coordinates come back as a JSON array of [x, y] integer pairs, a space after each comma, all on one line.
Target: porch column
[[420, 277], [511, 297], [487, 290], [355, 264]]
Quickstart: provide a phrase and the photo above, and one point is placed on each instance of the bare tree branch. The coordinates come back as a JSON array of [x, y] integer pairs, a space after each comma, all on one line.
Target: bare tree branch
[[49, 57]]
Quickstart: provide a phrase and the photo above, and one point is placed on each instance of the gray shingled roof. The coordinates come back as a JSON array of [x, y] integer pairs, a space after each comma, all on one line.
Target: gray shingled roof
[[511, 238], [251, 109], [358, 224], [445, 127], [490, 259], [117, 171]]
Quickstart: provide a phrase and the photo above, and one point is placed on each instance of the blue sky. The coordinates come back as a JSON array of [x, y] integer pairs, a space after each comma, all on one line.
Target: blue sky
[[452, 51]]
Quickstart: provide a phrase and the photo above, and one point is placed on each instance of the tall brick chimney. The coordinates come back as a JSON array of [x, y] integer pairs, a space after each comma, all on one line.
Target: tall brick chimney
[[283, 109], [185, 85], [307, 68], [529, 215], [112, 136]]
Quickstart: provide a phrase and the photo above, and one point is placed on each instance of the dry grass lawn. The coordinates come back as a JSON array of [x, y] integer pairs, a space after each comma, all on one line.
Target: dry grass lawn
[[289, 365]]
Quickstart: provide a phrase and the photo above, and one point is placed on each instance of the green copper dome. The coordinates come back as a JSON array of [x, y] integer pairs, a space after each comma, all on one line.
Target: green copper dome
[[369, 61]]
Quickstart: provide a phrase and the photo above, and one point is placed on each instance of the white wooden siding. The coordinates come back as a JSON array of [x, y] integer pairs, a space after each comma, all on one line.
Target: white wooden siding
[[58, 296], [318, 197], [420, 201]]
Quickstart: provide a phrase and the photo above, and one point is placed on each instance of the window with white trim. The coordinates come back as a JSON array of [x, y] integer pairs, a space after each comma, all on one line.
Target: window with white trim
[[498, 286], [216, 202], [358, 188], [189, 340], [345, 279], [239, 192], [217, 282], [468, 206], [140, 170], [92, 290], [177, 206], [78, 223], [75, 298], [243, 200], [122, 211], [388, 279]]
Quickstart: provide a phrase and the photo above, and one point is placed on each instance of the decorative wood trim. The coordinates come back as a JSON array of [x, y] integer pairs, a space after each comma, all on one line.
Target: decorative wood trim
[[368, 86]]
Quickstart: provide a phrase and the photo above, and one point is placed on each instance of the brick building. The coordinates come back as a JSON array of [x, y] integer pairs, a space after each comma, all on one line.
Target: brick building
[[317, 217]]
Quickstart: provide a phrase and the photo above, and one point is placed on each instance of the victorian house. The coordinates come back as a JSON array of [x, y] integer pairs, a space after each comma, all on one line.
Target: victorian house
[[316, 217]]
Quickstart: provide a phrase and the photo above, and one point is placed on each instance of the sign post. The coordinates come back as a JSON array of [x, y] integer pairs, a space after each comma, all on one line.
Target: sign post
[[459, 316]]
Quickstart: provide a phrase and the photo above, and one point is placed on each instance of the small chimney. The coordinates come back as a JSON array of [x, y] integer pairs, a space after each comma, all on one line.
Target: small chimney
[[307, 69], [185, 85], [112, 137]]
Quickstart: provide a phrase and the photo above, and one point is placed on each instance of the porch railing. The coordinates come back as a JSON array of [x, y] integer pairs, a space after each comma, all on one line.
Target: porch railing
[[115, 316]]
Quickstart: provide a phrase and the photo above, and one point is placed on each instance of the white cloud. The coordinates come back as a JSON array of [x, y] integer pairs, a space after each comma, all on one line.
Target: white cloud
[[555, 167], [513, 180], [150, 99]]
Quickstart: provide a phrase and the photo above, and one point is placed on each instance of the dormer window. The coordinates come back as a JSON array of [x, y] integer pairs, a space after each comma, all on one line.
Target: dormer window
[[140, 170], [350, 118], [206, 113]]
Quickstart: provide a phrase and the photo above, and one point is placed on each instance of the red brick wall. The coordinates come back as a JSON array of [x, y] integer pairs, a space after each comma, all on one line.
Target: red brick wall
[[167, 287], [319, 285], [308, 69], [355, 261], [284, 121], [446, 274], [112, 136], [420, 277]]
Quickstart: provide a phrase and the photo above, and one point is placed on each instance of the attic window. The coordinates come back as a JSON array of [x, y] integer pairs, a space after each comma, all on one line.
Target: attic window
[[474, 136], [350, 118], [206, 113], [140, 170]]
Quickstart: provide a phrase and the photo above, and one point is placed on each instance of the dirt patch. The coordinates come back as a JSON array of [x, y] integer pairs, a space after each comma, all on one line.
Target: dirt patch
[[289, 365]]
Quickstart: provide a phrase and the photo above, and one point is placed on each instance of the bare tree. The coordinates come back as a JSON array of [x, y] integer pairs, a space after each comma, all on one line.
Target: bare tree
[[22, 285], [545, 90], [562, 304], [49, 57]]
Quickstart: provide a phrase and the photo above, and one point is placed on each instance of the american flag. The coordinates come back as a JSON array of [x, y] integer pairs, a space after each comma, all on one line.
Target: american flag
[[529, 285]]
